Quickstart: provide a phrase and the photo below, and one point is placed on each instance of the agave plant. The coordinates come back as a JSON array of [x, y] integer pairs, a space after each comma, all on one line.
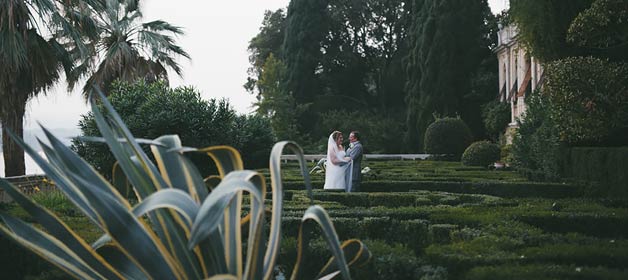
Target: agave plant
[[179, 229]]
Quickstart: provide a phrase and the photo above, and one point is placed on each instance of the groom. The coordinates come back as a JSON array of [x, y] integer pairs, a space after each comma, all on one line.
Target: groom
[[355, 152]]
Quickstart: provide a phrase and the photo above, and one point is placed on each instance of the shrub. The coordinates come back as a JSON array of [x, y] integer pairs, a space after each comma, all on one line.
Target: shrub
[[179, 229], [481, 153], [152, 110], [536, 146], [254, 138], [589, 100], [447, 136], [496, 116]]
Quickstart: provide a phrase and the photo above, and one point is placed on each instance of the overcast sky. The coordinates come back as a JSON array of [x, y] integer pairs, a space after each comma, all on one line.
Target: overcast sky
[[217, 35]]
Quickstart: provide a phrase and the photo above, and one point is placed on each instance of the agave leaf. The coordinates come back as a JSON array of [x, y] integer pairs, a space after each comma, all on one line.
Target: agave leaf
[[121, 140], [72, 163], [175, 168], [121, 262], [47, 247], [212, 181], [171, 199], [133, 236], [223, 277], [255, 261], [354, 250], [143, 182], [274, 241], [227, 160], [317, 214], [61, 231], [119, 180], [145, 179], [211, 212], [174, 229]]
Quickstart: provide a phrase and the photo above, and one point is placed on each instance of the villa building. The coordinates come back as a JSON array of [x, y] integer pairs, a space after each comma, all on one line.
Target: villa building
[[519, 73]]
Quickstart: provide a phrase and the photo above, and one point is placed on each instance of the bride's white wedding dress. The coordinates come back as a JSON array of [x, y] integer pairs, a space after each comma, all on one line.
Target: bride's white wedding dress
[[338, 170]]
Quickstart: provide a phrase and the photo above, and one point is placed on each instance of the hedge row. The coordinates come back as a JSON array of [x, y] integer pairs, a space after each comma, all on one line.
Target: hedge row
[[606, 167], [401, 199], [412, 233], [501, 189], [545, 271], [388, 261]]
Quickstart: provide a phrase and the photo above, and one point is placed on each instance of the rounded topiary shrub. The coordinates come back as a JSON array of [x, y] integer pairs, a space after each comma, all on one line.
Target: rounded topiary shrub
[[481, 153], [447, 136]]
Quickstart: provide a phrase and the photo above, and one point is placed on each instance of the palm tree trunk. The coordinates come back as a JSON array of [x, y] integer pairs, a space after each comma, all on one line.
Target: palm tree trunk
[[12, 119]]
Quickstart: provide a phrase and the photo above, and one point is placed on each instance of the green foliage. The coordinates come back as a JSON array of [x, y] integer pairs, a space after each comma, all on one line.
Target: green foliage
[[536, 147], [377, 130], [254, 137], [274, 102], [544, 271], [447, 40], [261, 47], [603, 26], [447, 136], [603, 166], [481, 153], [179, 229], [496, 116], [543, 26], [593, 112], [128, 49], [151, 110]]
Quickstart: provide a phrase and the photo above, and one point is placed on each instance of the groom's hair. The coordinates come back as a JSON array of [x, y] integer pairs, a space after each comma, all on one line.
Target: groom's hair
[[356, 134]]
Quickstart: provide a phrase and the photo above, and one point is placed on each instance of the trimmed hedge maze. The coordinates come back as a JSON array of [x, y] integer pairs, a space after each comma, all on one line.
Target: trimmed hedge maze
[[441, 235], [442, 220]]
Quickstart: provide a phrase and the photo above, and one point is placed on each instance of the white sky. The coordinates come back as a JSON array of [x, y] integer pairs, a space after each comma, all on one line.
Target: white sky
[[217, 35]]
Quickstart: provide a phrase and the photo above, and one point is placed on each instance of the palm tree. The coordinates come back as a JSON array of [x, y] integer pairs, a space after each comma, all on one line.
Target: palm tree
[[129, 50], [31, 59]]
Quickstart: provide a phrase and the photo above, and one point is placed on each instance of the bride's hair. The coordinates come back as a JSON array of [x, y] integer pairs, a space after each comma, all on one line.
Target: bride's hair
[[335, 135]]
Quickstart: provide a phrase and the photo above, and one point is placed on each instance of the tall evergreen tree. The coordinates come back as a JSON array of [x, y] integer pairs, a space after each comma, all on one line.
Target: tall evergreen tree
[[445, 41], [306, 27], [266, 43]]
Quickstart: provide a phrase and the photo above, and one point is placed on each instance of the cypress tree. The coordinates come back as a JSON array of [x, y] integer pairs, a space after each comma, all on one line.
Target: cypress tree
[[445, 42]]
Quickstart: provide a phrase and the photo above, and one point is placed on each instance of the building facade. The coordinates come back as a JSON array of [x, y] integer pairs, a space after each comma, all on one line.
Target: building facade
[[519, 73]]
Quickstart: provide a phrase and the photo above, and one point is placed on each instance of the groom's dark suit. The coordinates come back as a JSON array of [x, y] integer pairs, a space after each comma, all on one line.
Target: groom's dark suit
[[355, 153]]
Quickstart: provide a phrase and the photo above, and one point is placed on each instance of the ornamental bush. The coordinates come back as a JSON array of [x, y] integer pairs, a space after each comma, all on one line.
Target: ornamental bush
[[481, 153], [151, 110], [589, 100], [447, 136], [536, 148], [496, 116]]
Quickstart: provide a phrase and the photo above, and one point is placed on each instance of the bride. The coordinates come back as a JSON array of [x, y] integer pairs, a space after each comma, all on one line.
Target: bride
[[338, 170]]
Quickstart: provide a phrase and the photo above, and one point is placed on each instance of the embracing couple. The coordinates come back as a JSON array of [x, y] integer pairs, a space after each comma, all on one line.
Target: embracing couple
[[343, 167]]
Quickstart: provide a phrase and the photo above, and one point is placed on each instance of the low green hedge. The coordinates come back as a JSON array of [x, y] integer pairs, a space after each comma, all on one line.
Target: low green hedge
[[603, 225], [607, 167], [412, 233], [544, 271], [502, 189], [388, 261]]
